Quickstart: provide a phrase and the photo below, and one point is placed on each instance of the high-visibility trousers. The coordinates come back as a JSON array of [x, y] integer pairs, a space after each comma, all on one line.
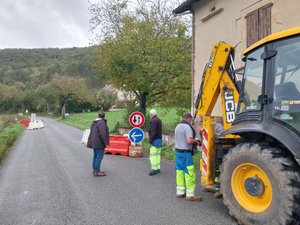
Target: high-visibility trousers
[[185, 174], [155, 158]]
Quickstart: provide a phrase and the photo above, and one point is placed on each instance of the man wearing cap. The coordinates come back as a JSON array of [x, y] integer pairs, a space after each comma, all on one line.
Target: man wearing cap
[[185, 171], [155, 140]]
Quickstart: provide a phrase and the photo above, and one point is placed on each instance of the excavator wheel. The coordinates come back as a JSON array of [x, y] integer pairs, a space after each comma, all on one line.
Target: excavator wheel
[[260, 186]]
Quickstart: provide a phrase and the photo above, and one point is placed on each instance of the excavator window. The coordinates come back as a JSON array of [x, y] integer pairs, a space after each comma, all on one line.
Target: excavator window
[[252, 83], [286, 103]]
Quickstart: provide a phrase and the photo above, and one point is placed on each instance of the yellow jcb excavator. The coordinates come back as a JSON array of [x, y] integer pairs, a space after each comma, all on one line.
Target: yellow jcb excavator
[[260, 146]]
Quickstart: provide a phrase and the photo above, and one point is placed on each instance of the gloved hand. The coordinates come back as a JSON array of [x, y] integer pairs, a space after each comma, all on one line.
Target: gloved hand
[[199, 143]]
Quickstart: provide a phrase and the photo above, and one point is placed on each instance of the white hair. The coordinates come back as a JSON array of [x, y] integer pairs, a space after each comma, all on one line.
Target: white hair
[[153, 112]]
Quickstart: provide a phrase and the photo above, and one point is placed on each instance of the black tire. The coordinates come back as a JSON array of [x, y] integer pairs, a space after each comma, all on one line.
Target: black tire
[[283, 174]]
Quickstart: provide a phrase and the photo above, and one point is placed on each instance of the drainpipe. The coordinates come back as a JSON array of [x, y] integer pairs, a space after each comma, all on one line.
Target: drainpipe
[[193, 64]]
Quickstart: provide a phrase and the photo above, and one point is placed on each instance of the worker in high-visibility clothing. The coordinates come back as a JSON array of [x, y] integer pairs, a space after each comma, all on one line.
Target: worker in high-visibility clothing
[[184, 165], [155, 140]]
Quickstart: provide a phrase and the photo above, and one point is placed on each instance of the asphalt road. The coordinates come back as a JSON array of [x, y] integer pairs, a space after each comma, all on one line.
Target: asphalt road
[[47, 179]]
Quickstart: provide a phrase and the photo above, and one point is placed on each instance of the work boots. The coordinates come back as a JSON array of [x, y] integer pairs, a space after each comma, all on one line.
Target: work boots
[[195, 198], [99, 174], [154, 172], [180, 196]]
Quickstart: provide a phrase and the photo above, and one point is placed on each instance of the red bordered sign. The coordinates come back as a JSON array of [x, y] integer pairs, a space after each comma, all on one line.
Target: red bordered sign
[[136, 119]]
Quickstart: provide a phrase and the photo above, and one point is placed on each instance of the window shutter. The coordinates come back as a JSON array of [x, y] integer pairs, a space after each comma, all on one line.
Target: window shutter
[[252, 27], [258, 24], [264, 21]]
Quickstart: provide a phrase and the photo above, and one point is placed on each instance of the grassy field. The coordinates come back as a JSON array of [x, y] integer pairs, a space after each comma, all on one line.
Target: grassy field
[[9, 132], [83, 120]]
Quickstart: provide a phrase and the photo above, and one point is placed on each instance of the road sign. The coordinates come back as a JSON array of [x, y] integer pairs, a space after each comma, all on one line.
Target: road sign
[[136, 119], [136, 135]]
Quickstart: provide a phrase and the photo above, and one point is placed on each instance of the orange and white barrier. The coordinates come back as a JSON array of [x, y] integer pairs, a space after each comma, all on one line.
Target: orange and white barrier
[[204, 152], [208, 151]]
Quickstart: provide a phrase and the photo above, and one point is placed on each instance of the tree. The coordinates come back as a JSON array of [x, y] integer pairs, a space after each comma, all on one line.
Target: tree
[[105, 99], [145, 50], [70, 89], [46, 96], [10, 100]]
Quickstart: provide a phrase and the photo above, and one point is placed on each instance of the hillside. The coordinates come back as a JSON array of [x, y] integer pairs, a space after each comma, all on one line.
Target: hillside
[[47, 79], [26, 65]]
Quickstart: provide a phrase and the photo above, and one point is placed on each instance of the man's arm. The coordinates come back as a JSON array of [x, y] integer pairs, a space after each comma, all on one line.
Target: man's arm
[[103, 131], [152, 130], [189, 136], [191, 140]]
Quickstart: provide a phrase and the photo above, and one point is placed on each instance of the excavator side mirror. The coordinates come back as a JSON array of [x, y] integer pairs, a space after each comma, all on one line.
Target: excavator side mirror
[[268, 54]]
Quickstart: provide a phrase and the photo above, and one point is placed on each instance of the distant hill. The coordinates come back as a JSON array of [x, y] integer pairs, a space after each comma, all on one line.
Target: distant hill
[[26, 65], [26, 76]]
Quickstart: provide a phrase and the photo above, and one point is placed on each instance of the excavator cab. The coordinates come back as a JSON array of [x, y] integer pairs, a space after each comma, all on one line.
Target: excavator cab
[[272, 81], [260, 169], [286, 106]]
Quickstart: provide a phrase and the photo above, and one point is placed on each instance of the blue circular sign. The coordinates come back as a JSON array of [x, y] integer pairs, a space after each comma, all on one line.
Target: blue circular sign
[[136, 135]]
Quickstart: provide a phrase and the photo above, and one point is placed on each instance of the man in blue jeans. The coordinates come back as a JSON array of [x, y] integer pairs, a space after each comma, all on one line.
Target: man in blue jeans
[[98, 140]]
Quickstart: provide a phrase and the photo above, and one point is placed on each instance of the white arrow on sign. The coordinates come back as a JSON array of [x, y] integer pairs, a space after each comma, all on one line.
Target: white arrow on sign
[[135, 135]]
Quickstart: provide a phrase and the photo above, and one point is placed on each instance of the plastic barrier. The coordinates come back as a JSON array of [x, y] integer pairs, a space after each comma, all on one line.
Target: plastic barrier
[[118, 145], [37, 124], [25, 123], [85, 136]]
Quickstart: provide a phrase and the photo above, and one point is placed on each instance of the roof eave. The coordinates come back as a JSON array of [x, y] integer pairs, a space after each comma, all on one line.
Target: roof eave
[[185, 6]]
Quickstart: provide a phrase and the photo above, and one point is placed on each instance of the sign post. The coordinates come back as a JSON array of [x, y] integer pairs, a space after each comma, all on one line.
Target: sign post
[[136, 119], [136, 135]]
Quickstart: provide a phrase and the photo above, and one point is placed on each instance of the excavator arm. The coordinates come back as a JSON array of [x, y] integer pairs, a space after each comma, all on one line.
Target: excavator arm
[[218, 80]]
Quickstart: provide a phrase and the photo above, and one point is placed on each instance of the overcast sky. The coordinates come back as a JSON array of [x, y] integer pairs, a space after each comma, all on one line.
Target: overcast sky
[[44, 23]]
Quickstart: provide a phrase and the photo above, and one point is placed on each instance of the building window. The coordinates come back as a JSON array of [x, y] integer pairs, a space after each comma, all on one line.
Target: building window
[[258, 24]]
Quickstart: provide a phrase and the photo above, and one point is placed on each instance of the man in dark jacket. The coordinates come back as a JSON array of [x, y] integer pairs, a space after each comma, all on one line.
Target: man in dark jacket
[[155, 140], [98, 140]]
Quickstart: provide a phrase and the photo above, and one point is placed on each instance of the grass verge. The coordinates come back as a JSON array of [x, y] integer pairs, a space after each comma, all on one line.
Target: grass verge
[[8, 136], [115, 118]]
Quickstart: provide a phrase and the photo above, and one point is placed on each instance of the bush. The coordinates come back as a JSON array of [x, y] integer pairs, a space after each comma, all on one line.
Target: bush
[[105, 99], [167, 152], [119, 104], [130, 108]]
